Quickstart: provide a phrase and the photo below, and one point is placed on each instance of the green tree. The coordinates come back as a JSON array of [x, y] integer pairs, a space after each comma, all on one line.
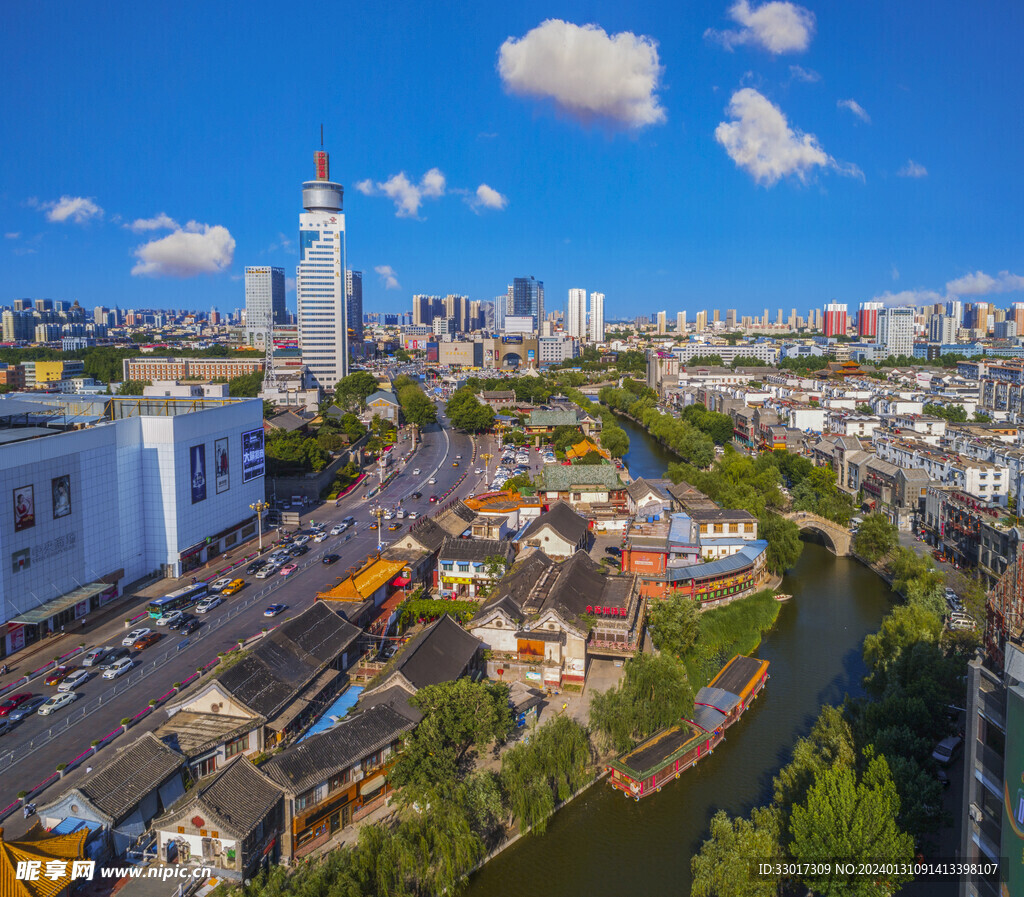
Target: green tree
[[133, 387], [674, 624], [615, 441], [851, 818], [416, 407], [828, 745], [721, 867], [654, 692], [351, 392], [466, 412], [980, 417], [955, 414], [457, 716], [519, 482], [591, 457], [875, 537], [784, 545], [901, 629], [139, 337], [246, 385], [817, 492]]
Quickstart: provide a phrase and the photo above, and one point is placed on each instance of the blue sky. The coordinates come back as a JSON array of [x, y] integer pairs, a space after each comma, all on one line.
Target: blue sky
[[677, 156]]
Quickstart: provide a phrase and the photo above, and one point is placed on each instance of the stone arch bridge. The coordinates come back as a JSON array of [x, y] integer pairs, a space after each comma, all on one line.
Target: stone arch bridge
[[837, 537]]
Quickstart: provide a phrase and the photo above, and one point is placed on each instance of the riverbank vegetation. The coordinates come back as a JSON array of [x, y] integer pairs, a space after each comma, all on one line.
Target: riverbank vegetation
[[452, 812], [862, 784]]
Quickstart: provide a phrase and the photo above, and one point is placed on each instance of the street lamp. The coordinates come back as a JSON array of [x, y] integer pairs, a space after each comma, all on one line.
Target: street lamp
[[378, 512], [486, 456], [259, 507]]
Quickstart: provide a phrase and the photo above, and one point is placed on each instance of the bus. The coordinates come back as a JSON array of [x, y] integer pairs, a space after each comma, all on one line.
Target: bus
[[178, 600]]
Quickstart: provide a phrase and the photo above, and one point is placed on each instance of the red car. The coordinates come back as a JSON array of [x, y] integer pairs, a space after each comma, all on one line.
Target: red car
[[14, 702], [433, 498], [57, 676]]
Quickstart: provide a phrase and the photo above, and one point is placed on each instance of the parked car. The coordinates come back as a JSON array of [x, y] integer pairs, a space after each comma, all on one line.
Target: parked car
[[169, 618], [95, 656], [181, 621], [146, 641], [73, 680], [27, 708], [947, 750], [119, 668], [14, 702], [57, 702], [274, 609], [218, 585], [233, 587], [330, 559], [191, 626], [288, 569], [56, 676], [135, 635], [208, 604]]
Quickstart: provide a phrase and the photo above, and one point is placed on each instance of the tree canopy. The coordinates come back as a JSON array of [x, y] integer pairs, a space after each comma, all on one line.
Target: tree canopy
[[351, 392], [466, 412]]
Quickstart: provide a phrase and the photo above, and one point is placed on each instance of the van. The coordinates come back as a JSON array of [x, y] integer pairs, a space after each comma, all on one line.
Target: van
[[947, 750]]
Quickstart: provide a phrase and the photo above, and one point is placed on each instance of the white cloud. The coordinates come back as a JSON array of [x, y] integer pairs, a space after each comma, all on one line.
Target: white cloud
[[195, 249], [78, 209], [388, 277], [587, 72], [776, 26], [488, 198], [163, 221], [760, 141], [908, 297], [912, 170], [979, 283], [856, 108], [807, 76], [289, 284], [12, 235], [407, 196], [895, 273]]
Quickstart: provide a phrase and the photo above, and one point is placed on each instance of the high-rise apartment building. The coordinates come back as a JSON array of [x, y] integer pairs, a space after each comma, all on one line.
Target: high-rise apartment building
[[730, 318], [1017, 314], [896, 331], [597, 317], [321, 276], [867, 319], [942, 329], [835, 319], [457, 307], [576, 314], [680, 322], [662, 323], [264, 302], [354, 299], [980, 316], [528, 299], [700, 323]]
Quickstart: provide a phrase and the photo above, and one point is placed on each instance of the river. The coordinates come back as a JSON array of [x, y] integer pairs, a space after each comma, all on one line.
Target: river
[[606, 845]]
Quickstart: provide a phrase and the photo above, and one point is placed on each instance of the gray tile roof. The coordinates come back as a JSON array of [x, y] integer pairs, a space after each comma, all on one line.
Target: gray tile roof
[[321, 756], [553, 417], [428, 533], [563, 520], [562, 477], [456, 519], [440, 653], [641, 487], [278, 667], [475, 550], [195, 733], [118, 786], [240, 796]]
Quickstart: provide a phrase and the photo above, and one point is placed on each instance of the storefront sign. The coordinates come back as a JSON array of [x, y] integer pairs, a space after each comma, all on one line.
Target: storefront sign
[[253, 456]]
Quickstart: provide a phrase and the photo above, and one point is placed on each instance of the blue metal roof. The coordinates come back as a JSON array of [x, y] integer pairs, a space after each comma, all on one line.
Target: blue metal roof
[[723, 566]]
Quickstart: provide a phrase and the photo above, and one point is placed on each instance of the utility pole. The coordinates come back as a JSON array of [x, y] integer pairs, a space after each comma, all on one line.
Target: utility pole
[[259, 507]]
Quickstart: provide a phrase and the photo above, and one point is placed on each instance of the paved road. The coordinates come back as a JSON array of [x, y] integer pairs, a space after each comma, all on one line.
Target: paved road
[[30, 753]]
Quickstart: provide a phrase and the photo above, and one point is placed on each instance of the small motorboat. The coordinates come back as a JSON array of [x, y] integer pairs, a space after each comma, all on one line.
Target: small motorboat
[[782, 596]]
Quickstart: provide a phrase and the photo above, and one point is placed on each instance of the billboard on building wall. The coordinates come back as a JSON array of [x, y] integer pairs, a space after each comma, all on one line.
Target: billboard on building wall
[[1012, 837], [24, 508], [197, 472], [221, 465], [253, 456], [61, 489]]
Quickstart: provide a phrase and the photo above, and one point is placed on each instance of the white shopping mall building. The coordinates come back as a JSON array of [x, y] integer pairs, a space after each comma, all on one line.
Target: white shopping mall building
[[98, 493]]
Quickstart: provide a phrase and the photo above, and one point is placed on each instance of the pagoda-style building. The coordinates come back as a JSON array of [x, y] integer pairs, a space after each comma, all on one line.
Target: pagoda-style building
[[53, 853]]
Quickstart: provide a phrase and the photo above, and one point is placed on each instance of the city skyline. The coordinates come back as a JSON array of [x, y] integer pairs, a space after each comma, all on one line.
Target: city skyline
[[752, 164]]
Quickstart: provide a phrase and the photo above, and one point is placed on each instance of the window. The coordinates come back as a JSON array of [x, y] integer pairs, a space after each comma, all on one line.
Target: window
[[236, 745], [372, 761], [463, 568], [305, 800], [338, 781]]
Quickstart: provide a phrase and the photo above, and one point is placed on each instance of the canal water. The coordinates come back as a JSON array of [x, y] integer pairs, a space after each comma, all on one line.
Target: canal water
[[607, 845]]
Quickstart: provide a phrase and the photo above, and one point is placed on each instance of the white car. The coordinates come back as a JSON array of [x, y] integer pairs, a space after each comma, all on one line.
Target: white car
[[219, 585], [70, 683], [267, 570], [431, 482], [416, 472], [413, 515], [135, 635], [300, 540], [479, 470], [319, 537], [338, 529], [169, 618], [57, 701], [208, 604], [118, 668]]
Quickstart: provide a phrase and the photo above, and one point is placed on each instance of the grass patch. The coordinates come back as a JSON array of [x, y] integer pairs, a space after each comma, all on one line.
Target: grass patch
[[725, 631]]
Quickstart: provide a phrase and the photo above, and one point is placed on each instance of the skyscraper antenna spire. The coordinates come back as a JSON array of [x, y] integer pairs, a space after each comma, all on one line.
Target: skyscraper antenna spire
[[321, 135]]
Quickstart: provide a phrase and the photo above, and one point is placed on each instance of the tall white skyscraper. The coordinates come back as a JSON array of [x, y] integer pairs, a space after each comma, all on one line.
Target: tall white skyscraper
[[896, 331], [680, 321], [320, 278], [597, 317], [264, 296], [576, 314]]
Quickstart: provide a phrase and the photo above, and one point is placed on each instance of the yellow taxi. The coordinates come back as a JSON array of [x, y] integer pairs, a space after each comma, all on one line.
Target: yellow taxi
[[236, 585]]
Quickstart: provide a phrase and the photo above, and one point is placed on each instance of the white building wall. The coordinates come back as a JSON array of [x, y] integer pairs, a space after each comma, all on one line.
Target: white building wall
[[597, 317]]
